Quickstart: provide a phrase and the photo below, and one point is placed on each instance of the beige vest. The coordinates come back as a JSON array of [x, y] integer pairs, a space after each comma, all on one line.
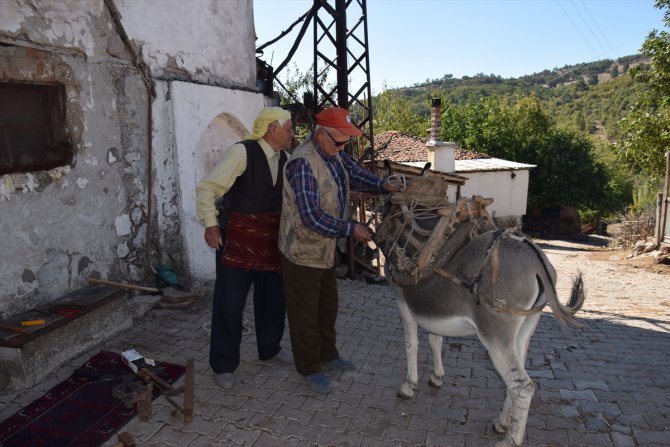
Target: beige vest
[[298, 243]]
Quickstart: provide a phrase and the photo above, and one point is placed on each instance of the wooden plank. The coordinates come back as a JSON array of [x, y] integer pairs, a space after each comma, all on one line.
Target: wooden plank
[[434, 242], [188, 392]]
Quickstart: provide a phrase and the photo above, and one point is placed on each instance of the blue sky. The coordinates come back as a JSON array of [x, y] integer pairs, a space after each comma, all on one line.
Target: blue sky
[[414, 40]]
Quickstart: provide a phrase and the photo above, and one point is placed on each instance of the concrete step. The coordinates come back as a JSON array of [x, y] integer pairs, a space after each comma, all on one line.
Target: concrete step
[[26, 358]]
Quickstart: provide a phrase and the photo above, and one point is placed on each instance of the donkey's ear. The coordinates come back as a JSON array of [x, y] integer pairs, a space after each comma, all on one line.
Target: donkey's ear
[[425, 169], [387, 168]]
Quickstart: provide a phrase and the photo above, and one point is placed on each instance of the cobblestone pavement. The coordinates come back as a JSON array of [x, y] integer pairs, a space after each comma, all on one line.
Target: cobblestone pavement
[[606, 383]]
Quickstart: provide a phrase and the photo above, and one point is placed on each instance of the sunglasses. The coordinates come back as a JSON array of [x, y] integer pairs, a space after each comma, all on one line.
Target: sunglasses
[[335, 142]]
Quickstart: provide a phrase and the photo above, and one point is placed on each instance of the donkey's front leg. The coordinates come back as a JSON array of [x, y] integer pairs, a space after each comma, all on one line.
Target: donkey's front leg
[[435, 342], [411, 345]]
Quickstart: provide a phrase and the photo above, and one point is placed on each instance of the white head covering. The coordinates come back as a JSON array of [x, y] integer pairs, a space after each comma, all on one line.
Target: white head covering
[[267, 116]]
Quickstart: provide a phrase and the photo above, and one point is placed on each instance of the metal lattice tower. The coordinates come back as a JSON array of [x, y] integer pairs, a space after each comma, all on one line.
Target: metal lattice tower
[[341, 63], [341, 48]]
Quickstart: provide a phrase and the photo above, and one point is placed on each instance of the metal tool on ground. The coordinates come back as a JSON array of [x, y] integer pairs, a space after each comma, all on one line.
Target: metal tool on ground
[[35, 322], [149, 376], [170, 297], [125, 440]]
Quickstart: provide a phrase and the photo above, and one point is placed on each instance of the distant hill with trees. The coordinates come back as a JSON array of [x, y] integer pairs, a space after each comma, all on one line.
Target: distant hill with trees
[[590, 97], [573, 122]]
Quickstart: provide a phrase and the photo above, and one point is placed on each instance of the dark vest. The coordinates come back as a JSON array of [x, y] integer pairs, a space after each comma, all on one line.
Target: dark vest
[[253, 191]]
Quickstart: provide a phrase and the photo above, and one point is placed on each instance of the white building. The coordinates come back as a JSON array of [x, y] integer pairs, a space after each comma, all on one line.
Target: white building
[[503, 180]]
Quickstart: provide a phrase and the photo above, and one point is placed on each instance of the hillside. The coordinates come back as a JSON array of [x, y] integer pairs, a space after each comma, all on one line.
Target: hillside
[[591, 97]]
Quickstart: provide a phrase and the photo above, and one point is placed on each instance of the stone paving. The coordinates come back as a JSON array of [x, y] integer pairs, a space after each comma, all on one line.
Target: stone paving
[[606, 383]]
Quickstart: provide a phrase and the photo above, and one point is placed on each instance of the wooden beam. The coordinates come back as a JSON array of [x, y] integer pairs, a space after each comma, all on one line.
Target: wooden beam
[[188, 392]]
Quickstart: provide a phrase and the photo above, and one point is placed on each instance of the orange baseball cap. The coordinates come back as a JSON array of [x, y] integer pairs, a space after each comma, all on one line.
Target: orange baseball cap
[[339, 119]]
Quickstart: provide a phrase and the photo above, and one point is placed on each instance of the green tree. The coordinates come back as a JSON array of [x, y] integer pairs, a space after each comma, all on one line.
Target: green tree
[[294, 84], [646, 129], [567, 172], [291, 89], [657, 48], [614, 72], [501, 127], [646, 139], [392, 111]]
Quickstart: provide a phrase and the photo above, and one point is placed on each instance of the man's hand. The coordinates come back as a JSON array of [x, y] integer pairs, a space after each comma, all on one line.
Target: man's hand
[[391, 187], [361, 233], [213, 237]]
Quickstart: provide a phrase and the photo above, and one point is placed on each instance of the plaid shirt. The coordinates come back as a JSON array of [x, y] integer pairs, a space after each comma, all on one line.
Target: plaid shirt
[[306, 190]]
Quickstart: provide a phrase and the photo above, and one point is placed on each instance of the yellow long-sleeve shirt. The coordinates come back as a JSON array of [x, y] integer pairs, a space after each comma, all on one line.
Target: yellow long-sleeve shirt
[[219, 181]]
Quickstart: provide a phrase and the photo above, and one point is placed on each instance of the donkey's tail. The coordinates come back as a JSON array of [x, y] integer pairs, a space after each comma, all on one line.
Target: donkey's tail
[[577, 295], [565, 312]]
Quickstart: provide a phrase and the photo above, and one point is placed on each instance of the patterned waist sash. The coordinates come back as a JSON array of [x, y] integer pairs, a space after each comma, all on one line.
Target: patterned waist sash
[[251, 242]]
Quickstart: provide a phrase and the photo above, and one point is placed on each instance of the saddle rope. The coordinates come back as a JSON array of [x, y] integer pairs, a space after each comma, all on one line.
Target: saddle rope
[[414, 208]]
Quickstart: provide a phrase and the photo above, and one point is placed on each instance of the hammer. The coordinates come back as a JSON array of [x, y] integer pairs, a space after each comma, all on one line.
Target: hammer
[[125, 440]]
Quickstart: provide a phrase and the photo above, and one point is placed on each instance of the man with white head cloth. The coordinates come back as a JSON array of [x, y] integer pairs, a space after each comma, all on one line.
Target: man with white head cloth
[[250, 176]]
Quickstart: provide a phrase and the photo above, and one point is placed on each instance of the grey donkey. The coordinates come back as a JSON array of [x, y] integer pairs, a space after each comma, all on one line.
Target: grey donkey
[[477, 281]]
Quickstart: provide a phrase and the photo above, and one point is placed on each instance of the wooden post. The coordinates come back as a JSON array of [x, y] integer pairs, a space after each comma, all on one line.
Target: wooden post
[[666, 199], [658, 230], [188, 392]]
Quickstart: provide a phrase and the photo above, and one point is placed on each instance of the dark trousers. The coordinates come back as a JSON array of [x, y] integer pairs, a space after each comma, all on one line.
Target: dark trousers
[[230, 296], [311, 306]]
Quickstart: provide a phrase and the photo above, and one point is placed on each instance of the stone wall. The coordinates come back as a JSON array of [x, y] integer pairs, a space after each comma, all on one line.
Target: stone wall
[[91, 218]]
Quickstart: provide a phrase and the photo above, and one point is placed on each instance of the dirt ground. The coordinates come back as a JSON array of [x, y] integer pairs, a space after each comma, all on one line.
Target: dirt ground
[[597, 248], [619, 257], [615, 284]]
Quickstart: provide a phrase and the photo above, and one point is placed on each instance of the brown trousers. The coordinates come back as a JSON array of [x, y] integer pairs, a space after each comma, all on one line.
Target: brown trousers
[[311, 306]]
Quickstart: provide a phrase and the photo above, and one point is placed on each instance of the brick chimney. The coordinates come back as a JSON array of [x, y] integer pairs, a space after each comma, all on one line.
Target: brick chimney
[[440, 155]]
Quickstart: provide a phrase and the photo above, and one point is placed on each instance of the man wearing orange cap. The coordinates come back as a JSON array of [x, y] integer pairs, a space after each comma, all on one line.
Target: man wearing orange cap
[[315, 212], [250, 176]]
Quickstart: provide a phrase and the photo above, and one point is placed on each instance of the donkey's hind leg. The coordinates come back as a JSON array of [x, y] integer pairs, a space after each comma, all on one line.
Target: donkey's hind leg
[[411, 346], [526, 332], [435, 342], [508, 355]]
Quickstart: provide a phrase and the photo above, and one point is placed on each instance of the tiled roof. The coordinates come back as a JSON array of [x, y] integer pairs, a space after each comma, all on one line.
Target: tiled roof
[[396, 146]]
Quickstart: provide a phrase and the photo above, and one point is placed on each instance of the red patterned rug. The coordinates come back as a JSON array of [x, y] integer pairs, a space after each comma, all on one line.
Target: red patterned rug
[[83, 411]]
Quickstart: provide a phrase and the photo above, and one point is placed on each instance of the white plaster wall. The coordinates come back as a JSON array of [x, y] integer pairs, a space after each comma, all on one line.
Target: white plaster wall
[[63, 225], [91, 218], [510, 194], [66, 23], [207, 38], [194, 108]]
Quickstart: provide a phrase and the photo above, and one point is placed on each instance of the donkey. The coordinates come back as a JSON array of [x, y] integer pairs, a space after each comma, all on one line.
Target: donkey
[[479, 280]]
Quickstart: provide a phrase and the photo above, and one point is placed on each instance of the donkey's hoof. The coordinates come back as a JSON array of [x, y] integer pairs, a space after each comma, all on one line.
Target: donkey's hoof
[[507, 442], [435, 381], [499, 427], [402, 396], [406, 391]]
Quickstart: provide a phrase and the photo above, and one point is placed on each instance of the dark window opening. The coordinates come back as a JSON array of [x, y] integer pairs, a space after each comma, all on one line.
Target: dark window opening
[[33, 133]]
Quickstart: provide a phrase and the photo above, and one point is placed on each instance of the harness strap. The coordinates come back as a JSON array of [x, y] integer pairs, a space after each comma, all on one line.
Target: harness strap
[[492, 251]]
